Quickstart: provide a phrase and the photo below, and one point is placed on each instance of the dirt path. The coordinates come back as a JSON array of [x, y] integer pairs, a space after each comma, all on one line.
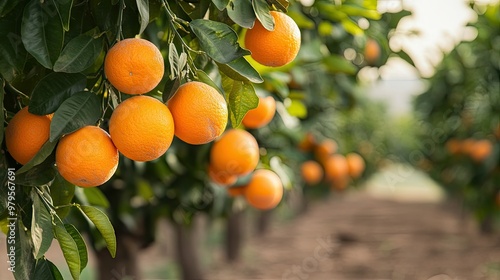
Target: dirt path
[[359, 237]]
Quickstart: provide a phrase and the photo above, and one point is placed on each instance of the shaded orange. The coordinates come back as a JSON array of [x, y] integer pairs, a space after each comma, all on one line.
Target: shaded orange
[[325, 149], [311, 172], [87, 157], [356, 165], [336, 167], [236, 152], [221, 177], [262, 115], [25, 135], [265, 190]]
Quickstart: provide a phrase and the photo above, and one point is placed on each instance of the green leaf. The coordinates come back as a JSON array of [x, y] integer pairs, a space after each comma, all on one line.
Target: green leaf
[[103, 225], [80, 243], [23, 250], [41, 226], [351, 27], [69, 248], [62, 193], [64, 11], [42, 33], [220, 4], [195, 10], [40, 157], [6, 6], [280, 4], [12, 50], [204, 78], [402, 54], [96, 197], [241, 12], [79, 54], [81, 109], [218, 40], [46, 270], [170, 88], [240, 70], [143, 7], [302, 21], [241, 98], [2, 115], [262, 11], [338, 64], [297, 109], [39, 175], [52, 90], [353, 10]]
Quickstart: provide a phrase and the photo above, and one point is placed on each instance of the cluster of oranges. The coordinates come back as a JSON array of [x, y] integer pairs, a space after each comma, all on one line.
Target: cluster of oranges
[[329, 165], [477, 149], [142, 128]]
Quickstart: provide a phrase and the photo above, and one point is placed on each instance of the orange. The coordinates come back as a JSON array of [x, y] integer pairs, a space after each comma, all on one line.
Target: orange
[[311, 172], [372, 51], [262, 115], [199, 112], [134, 66], [274, 48], [265, 190], [236, 152], [142, 128], [87, 157], [340, 184], [25, 135], [236, 191], [221, 177], [480, 150], [355, 164], [307, 143], [336, 167], [325, 149], [453, 146], [467, 146]]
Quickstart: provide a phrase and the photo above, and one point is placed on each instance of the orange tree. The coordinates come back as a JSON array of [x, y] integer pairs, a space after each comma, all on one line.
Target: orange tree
[[72, 71], [459, 116]]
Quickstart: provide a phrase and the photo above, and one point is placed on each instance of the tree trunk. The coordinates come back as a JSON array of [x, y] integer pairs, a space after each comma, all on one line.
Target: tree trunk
[[234, 236], [124, 265], [263, 222], [187, 254]]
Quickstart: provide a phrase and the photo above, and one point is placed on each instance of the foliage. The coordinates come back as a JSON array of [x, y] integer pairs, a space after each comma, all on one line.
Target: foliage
[[463, 102]]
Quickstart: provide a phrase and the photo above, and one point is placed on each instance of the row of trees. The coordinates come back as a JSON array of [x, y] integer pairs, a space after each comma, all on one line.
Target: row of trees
[[460, 120]]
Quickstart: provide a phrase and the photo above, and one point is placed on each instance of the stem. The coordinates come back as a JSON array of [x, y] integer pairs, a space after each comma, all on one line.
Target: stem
[[120, 19], [15, 90]]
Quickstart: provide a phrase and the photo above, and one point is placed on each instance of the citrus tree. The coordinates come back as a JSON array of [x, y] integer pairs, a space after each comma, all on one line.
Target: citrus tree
[[93, 93], [459, 116]]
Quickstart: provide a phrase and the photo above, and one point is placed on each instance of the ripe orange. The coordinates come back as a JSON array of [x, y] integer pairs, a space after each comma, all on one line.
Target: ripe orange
[[453, 146], [262, 115], [340, 184], [235, 152], [355, 164], [87, 157], [142, 128], [25, 135], [325, 149], [480, 150], [336, 167], [277, 47], [199, 112], [311, 172], [307, 143], [372, 51], [236, 191], [134, 66], [221, 177], [467, 146], [265, 190]]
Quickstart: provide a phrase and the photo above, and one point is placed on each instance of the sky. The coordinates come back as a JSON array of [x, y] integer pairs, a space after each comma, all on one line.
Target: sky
[[441, 24]]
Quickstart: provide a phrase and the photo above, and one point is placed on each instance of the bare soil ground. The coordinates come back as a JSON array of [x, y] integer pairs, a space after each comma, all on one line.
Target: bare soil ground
[[359, 237]]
